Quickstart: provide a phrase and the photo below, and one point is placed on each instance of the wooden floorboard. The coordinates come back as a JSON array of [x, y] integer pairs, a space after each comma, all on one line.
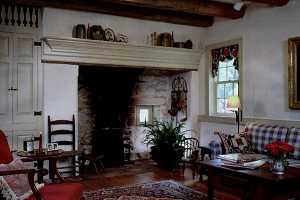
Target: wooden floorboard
[[141, 172]]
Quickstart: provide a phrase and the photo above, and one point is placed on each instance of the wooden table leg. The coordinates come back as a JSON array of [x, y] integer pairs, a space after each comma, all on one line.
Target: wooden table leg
[[40, 165], [210, 191], [55, 171], [51, 174]]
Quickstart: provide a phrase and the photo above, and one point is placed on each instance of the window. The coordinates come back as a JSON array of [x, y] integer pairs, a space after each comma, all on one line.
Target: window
[[226, 84], [147, 114], [224, 77]]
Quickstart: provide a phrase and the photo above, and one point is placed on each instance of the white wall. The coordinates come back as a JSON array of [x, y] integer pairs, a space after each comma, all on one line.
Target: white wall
[[264, 32], [60, 92]]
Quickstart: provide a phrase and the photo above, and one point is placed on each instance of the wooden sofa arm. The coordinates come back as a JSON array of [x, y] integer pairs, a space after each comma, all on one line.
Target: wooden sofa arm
[[30, 173]]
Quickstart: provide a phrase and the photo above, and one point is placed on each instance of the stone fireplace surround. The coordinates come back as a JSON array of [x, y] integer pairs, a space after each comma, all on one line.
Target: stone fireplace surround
[[99, 53]]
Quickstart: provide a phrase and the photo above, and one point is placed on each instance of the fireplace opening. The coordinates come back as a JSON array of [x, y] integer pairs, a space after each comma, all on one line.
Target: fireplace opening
[[113, 103], [104, 109]]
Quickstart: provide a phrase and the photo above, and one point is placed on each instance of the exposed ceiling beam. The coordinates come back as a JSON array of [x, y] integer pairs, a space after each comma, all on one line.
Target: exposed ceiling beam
[[209, 8], [272, 2], [124, 10]]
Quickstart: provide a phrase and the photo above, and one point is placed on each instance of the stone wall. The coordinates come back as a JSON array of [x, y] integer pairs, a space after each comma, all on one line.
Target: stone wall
[[154, 88], [86, 119]]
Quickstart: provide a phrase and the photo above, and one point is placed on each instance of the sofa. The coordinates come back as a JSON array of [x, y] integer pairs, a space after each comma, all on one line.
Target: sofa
[[259, 135]]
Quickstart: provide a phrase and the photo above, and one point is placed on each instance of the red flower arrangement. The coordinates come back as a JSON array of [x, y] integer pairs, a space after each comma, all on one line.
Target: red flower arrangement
[[279, 150]]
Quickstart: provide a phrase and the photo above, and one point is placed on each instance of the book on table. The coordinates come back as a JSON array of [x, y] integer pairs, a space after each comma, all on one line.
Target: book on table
[[245, 161], [294, 163]]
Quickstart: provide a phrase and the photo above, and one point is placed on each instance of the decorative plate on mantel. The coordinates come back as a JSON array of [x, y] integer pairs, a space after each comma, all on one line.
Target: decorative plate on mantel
[[96, 33], [109, 35]]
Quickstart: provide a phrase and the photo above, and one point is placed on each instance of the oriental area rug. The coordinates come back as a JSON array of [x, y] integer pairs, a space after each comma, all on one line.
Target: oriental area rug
[[162, 190]]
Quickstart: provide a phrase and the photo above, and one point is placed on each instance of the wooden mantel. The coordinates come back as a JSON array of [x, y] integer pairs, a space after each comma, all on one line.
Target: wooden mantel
[[101, 53]]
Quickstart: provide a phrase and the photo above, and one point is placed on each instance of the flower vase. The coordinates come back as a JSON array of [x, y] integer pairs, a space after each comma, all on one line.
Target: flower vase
[[278, 166]]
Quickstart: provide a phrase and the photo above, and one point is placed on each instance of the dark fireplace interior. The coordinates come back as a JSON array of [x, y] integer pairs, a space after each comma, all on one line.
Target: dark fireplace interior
[[108, 92]]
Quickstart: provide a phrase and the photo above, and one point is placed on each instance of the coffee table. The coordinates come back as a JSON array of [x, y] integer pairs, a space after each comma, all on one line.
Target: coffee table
[[255, 184]]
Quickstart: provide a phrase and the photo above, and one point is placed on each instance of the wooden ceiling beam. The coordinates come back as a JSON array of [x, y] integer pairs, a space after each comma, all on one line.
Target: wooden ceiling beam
[[199, 7], [272, 2], [124, 10]]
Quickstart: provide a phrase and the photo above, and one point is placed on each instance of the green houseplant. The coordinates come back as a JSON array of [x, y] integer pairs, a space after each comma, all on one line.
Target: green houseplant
[[165, 139]]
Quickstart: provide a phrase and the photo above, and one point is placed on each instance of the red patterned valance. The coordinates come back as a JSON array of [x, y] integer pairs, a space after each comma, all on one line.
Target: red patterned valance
[[223, 53]]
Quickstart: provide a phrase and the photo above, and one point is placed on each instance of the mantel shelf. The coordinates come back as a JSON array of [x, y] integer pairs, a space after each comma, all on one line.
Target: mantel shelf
[[93, 52]]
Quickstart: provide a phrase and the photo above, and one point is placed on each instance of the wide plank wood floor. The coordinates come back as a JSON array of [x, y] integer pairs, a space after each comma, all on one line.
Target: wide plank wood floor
[[141, 172]]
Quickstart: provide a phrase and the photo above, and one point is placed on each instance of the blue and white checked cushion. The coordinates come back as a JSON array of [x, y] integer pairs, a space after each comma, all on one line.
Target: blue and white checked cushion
[[261, 135], [293, 138], [216, 148]]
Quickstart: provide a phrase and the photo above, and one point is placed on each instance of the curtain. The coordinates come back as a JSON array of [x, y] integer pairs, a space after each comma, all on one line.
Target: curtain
[[221, 54]]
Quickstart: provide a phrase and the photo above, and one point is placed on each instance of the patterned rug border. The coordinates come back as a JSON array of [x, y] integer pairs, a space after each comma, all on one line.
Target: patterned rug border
[[157, 189]]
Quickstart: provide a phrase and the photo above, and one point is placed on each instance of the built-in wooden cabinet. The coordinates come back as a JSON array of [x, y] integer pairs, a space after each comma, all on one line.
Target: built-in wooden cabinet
[[19, 87]]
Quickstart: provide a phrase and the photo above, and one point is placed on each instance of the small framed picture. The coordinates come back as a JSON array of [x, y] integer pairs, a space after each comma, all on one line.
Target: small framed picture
[[55, 146], [52, 146]]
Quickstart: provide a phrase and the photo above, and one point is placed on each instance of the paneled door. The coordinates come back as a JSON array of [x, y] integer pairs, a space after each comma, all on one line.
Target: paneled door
[[24, 78], [6, 63], [18, 86], [18, 77]]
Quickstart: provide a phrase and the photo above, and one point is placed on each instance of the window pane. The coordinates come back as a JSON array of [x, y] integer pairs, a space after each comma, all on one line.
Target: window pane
[[220, 91], [228, 89], [144, 115], [231, 73], [236, 89], [222, 64], [236, 77], [220, 105], [222, 74], [230, 62]]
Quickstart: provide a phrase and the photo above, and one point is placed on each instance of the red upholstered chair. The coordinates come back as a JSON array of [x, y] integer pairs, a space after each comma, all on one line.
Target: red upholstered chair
[[5, 154], [62, 191]]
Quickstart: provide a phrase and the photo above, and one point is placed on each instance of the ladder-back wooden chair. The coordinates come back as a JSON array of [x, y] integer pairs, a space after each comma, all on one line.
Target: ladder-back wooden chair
[[62, 132], [69, 140]]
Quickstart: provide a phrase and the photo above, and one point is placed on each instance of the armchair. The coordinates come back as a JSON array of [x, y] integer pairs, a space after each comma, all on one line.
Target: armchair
[[62, 191]]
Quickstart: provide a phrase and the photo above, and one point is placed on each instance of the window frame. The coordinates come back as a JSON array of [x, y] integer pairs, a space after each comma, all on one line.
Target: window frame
[[151, 110], [211, 89]]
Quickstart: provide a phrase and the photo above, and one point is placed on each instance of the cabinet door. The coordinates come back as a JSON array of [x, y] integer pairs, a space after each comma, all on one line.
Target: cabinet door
[[6, 63], [24, 78]]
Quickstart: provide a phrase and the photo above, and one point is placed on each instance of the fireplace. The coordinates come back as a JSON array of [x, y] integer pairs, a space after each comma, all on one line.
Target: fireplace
[[105, 110], [109, 103], [152, 89]]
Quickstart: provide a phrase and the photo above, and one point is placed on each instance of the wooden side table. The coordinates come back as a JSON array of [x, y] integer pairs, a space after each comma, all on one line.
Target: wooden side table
[[256, 184], [52, 156]]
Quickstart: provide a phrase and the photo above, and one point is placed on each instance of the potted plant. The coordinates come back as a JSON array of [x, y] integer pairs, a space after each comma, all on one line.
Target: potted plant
[[166, 139]]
